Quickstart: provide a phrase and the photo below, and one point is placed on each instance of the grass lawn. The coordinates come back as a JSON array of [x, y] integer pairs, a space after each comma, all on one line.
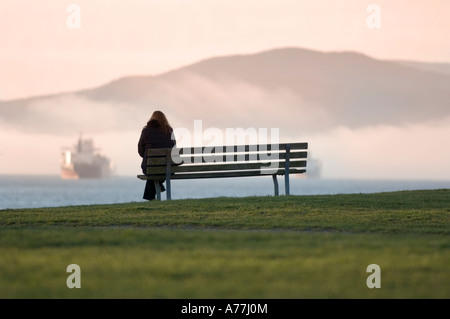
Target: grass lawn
[[291, 247]]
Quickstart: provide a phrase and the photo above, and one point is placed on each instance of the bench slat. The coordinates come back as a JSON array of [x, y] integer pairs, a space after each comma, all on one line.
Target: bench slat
[[226, 158], [152, 161], [158, 152], [221, 167], [241, 148], [220, 174]]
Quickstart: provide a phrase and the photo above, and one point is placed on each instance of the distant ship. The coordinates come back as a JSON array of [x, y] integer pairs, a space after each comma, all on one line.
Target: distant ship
[[313, 168], [84, 161]]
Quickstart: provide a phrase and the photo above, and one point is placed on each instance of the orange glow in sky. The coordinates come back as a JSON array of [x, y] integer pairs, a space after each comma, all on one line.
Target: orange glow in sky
[[40, 54]]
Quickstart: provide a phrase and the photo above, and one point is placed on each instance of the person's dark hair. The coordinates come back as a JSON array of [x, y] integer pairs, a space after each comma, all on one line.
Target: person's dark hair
[[161, 118]]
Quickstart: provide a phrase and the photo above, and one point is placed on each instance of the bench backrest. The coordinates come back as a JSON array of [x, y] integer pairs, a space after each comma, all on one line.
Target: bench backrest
[[227, 161]]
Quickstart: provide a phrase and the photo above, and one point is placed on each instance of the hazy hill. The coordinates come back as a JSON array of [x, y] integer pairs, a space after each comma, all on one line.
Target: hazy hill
[[294, 89], [443, 68]]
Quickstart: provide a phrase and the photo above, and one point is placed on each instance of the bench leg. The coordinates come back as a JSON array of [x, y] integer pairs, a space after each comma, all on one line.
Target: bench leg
[[286, 183], [275, 184], [286, 169], [158, 190], [168, 189]]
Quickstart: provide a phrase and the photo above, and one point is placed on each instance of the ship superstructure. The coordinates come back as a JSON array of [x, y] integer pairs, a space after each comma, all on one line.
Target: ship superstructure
[[83, 160]]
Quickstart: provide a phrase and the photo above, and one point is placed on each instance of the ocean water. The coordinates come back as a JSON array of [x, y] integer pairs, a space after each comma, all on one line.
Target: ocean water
[[51, 191]]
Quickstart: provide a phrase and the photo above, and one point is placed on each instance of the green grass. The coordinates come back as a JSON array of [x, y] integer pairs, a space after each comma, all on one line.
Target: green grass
[[293, 247]]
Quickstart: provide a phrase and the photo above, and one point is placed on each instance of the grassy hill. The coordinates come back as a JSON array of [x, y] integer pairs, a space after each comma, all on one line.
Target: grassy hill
[[292, 247]]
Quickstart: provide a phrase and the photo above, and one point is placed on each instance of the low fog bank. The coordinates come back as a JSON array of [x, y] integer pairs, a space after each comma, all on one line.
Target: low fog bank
[[412, 152]]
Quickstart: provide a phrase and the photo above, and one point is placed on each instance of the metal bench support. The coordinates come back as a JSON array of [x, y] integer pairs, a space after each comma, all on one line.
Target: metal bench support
[[168, 174], [158, 189], [275, 184], [286, 169]]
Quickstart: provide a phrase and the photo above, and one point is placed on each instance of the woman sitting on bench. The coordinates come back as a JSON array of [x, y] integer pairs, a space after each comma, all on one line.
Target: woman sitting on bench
[[156, 134]]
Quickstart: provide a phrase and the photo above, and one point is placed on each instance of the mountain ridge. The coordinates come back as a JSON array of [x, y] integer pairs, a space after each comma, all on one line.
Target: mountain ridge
[[283, 87]]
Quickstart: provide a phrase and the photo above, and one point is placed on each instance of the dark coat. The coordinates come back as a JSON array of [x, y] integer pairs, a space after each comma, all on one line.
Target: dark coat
[[153, 137]]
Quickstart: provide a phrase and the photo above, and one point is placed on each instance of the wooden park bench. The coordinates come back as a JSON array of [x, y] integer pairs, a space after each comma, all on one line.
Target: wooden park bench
[[225, 161]]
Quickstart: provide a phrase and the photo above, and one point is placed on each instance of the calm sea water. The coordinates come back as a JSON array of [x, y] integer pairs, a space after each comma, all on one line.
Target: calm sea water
[[52, 191]]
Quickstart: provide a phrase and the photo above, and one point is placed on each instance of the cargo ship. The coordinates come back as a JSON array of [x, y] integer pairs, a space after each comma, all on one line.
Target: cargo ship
[[313, 168], [83, 160]]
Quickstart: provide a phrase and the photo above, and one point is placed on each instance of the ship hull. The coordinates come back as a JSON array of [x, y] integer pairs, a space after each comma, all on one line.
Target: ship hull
[[91, 170], [83, 162], [68, 173]]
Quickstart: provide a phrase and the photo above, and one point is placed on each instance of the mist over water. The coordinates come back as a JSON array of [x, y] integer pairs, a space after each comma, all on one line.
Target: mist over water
[[408, 152]]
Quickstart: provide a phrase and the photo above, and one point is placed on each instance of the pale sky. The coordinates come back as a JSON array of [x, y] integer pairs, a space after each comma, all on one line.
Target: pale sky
[[40, 54]]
